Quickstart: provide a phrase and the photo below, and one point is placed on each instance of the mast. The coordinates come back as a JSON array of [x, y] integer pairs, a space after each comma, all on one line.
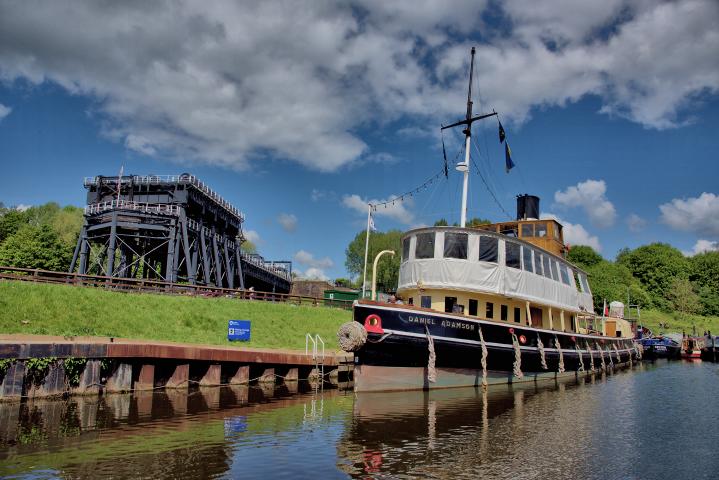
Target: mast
[[464, 166]]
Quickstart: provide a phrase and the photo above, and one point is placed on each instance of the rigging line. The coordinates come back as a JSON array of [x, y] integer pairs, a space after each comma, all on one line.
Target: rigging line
[[489, 180], [517, 166], [429, 199], [400, 198], [490, 190]]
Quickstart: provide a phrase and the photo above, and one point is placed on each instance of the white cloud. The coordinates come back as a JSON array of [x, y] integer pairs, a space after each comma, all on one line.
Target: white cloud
[[590, 195], [252, 236], [288, 222], [575, 233], [315, 266], [698, 214], [702, 246], [4, 111], [22, 207], [396, 211], [140, 144], [313, 273], [317, 195], [305, 258], [636, 223], [231, 83]]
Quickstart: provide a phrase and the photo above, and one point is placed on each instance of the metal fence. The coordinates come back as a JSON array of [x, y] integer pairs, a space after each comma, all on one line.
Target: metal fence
[[157, 286]]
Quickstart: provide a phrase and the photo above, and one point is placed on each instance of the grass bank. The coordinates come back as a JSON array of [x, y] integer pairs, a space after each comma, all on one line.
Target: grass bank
[[43, 309], [678, 323]]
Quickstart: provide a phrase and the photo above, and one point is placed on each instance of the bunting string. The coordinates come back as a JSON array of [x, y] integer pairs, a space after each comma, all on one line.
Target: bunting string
[[414, 191]]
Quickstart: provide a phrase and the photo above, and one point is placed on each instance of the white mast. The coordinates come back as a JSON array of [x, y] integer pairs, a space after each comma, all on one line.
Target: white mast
[[464, 166]]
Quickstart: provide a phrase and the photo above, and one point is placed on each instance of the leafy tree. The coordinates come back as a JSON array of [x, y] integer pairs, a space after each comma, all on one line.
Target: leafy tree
[[704, 273], [584, 256], [67, 223], [10, 222], [388, 266], [248, 247], [442, 222], [612, 281], [476, 221], [36, 247], [682, 296], [656, 266], [344, 282]]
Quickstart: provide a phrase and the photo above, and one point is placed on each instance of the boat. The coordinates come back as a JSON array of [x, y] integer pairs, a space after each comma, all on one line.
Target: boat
[[660, 347], [488, 304], [710, 351], [692, 347]]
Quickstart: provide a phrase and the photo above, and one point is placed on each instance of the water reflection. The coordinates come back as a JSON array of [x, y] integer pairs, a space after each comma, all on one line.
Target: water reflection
[[652, 422]]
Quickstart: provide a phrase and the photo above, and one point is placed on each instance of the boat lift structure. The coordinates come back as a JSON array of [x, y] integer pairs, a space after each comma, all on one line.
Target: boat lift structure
[[171, 228]]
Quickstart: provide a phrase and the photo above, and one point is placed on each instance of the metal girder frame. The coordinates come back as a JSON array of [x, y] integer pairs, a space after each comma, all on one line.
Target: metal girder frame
[[165, 247]]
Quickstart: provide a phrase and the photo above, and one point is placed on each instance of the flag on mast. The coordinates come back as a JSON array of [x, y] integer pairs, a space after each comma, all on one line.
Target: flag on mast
[[509, 164], [502, 135], [371, 223]]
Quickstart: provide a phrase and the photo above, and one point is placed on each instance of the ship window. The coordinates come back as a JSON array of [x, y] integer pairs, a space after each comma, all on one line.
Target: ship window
[[426, 301], [557, 230], [545, 264], [540, 229], [517, 314], [563, 272], [504, 312], [473, 307], [527, 230], [527, 253], [509, 230], [455, 245], [576, 280], [490, 310], [537, 263], [449, 303], [405, 249], [425, 245], [555, 273], [410, 301], [511, 250], [585, 285], [488, 249]]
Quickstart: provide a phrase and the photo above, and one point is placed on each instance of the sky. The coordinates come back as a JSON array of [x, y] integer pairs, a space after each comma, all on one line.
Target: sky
[[300, 113]]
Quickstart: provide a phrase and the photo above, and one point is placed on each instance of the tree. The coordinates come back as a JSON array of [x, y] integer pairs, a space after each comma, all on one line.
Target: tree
[[36, 247], [388, 266], [248, 247], [611, 281], [10, 222], [704, 273], [584, 256], [656, 266], [683, 297], [344, 282], [441, 223]]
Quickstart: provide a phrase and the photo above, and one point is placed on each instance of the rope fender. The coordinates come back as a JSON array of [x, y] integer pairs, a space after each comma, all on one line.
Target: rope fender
[[351, 336], [561, 356], [540, 346], [431, 371], [517, 367], [484, 358]]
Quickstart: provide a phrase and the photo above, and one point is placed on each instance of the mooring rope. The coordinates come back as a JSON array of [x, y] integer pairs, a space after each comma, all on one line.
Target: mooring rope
[[484, 358], [561, 356], [591, 357], [431, 371], [579, 354], [517, 368], [540, 346]]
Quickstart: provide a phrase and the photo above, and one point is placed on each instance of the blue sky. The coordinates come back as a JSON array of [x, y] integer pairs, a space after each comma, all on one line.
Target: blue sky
[[301, 117]]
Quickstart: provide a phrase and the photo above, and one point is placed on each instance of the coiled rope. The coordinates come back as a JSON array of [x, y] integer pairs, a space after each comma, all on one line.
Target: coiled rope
[[484, 358], [540, 346], [431, 371], [561, 356], [517, 368], [351, 336]]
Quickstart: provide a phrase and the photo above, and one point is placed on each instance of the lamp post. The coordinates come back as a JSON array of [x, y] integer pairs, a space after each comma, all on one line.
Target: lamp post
[[374, 271]]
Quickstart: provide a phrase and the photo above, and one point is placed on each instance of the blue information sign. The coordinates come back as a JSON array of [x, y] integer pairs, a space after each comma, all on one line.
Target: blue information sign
[[238, 330]]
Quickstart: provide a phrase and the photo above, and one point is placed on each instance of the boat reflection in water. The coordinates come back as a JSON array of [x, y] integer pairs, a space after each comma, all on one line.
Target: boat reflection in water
[[503, 431]]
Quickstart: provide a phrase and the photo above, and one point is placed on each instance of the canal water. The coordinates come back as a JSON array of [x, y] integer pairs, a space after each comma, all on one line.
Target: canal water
[[657, 421]]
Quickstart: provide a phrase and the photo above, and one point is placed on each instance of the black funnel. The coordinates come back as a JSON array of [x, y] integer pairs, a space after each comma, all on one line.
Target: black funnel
[[527, 207]]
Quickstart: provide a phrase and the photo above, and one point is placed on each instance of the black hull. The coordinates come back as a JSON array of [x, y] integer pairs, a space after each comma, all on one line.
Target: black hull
[[671, 353], [399, 346]]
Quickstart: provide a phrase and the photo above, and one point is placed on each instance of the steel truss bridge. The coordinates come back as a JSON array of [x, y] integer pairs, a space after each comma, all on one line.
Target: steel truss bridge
[[169, 228]]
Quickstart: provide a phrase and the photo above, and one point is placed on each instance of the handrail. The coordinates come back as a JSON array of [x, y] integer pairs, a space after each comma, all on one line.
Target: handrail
[[159, 286]]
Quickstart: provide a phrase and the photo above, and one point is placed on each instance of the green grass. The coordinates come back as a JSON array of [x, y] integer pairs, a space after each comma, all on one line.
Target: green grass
[[43, 309], [678, 323]]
